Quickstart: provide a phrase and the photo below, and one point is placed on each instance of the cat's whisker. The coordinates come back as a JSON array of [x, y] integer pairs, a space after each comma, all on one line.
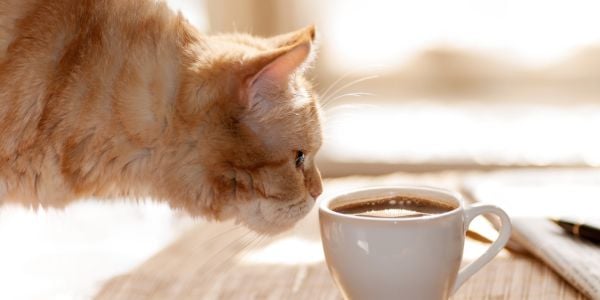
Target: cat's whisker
[[347, 85], [242, 250], [218, 254], [331, 101], [245, 251], [220, 234], [354, 82], [315, 83], [215, 238], [347, 74], [222, 260], [348, 95], [219, 261], [325, 93], [212, 263], [223, 233], [349, 108], [258, 239]]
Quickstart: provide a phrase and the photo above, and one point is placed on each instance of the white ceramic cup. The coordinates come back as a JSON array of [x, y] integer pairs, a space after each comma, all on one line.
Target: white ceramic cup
[[402, 258]]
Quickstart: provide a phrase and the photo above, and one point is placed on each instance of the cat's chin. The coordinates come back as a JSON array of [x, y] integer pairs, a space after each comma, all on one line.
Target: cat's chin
[[269, 216]]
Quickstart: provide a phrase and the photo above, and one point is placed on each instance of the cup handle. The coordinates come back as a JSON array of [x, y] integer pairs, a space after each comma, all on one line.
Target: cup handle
[[505, 229]]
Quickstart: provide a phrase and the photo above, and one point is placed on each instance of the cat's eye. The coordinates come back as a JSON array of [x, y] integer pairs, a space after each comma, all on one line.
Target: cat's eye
[[299, 158]]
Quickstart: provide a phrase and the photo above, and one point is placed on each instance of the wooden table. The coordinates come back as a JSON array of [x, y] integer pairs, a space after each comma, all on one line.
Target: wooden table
[[224, 261]]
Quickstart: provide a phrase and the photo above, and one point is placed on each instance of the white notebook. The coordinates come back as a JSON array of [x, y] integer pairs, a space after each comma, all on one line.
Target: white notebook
[[530, 197]]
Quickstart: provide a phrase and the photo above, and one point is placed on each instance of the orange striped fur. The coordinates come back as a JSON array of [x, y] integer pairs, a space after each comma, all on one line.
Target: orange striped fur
[[110, 98]]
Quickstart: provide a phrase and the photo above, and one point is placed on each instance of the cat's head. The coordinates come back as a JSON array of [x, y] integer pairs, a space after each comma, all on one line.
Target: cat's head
[[258, 123]]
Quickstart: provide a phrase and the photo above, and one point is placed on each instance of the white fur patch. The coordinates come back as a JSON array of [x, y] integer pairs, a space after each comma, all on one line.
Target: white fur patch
[[273, 216], [301, 98]]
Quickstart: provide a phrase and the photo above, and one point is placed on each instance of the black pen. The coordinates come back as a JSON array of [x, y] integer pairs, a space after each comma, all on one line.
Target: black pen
[[582, 230]]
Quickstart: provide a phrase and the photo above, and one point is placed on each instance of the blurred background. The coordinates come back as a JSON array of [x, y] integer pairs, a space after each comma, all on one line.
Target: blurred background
[[436, 85]]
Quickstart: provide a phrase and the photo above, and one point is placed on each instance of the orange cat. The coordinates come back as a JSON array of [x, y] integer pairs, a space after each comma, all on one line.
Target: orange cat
[[107, 98]]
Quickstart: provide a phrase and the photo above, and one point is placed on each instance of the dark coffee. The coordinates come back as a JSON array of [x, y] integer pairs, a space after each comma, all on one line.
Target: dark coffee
[[395, 207]]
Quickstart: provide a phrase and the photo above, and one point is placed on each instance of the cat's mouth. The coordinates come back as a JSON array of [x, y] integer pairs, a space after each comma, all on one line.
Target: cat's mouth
[[272, 216]]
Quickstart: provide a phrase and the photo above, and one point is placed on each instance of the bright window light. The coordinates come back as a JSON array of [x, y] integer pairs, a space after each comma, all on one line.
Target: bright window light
[[424, 132], [388, 33]]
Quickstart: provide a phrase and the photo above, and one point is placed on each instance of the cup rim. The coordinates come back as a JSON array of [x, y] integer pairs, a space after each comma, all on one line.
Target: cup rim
[[324, 204]]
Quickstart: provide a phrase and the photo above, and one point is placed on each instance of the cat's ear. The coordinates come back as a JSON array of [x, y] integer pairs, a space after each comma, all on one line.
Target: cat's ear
[[293, 37], [271, 71]]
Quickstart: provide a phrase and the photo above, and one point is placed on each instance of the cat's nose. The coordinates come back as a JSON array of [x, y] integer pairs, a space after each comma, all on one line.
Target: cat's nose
[[315, 193], [315, 190], [315, 186]]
